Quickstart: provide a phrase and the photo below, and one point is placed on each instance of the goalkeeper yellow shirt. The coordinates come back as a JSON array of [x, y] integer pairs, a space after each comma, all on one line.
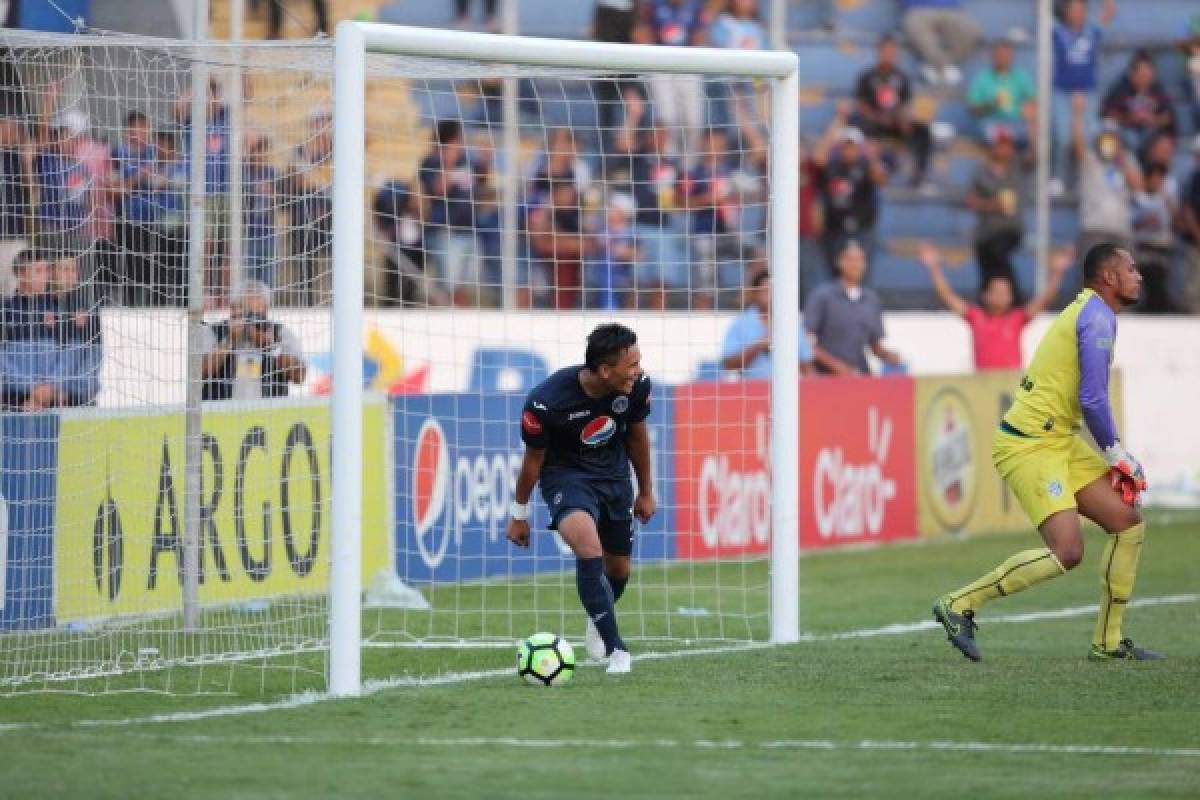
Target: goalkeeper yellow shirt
[[1067, 381]]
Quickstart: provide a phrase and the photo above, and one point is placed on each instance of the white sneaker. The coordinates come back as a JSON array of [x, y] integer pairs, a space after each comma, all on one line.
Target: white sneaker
[[952, 75], [620, 662], [592, 642]]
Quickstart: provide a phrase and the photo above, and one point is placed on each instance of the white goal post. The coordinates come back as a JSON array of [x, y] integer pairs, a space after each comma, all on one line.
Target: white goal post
[[355, 41]]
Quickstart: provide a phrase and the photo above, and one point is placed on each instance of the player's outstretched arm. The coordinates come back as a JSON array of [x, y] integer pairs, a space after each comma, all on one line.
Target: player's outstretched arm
[[638, 441], [527, 478]]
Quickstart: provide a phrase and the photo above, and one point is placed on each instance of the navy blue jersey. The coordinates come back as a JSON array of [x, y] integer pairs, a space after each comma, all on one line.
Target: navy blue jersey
[[581, 434]]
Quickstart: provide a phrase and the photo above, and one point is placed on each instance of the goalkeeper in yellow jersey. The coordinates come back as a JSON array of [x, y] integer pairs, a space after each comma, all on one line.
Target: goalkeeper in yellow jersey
[[1056, 476]]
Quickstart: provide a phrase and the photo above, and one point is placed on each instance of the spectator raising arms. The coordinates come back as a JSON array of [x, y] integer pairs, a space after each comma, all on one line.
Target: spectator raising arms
[[1108, 178], [847, 172], [883, 94], [1076, 53], [846, 319], [996, 322]]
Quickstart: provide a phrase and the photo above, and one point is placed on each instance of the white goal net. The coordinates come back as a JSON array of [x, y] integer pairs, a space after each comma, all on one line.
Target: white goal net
[[168, 351]]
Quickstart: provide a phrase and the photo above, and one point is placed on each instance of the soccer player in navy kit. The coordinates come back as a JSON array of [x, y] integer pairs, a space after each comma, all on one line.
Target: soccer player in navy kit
[[582, 427]]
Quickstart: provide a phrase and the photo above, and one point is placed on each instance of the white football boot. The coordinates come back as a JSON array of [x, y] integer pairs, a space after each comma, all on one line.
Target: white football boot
[[592, 642], [620, 662]]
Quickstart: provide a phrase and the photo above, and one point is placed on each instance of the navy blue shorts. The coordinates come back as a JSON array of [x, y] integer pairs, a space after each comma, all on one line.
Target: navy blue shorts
[[609, 503]]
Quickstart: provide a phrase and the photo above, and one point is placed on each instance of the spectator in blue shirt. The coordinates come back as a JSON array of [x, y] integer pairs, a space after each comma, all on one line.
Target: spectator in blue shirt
[[78, 329], [258, 213], [608, 275], [747, 345], [134, 161], [30, 362], [1076, 54], [170, 199], [713, 212]]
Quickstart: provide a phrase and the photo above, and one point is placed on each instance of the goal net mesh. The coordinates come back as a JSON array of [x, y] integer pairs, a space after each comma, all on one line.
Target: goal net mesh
[[138, 435]]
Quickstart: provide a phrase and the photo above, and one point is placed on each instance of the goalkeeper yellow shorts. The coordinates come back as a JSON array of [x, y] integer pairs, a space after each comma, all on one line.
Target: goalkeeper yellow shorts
[[1045, 472]]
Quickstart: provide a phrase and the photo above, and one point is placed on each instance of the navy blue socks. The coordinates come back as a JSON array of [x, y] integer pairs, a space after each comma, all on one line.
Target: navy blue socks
[[597, 598]]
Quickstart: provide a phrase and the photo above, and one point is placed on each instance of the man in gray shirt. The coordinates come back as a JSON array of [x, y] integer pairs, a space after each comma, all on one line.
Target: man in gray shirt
[[845, 318]]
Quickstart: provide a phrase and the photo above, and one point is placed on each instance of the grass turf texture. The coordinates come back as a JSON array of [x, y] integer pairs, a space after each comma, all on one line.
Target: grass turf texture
[[1034, 687]]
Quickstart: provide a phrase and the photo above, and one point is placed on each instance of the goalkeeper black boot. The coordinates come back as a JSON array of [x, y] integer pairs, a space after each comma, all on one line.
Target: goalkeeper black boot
[[1126, 651], [960, 628]]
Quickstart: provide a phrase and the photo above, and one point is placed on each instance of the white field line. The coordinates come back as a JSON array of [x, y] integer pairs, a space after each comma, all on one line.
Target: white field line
[[829, 745], [450, 678]]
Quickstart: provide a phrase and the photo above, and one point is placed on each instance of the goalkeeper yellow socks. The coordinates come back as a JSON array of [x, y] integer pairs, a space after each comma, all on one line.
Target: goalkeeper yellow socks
[[1025, 569], [1118, 567]]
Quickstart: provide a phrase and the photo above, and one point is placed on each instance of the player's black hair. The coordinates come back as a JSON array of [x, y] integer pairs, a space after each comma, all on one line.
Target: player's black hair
[[26, 257], [447, 130], [1097, 258], [606, 343]]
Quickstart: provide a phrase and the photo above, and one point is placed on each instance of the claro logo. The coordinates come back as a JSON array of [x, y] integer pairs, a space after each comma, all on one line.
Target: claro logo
[[850, 499], [735, 503]]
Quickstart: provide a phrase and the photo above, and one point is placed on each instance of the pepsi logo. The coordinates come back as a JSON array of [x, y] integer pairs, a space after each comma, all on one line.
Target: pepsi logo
[[430, 482], [598, 431]]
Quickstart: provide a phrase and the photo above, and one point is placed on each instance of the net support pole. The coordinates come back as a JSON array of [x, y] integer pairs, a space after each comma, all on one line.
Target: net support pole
[[193, 451], [785, 369], [237, 269], [511, 145], [1045, 57], [349, 230]]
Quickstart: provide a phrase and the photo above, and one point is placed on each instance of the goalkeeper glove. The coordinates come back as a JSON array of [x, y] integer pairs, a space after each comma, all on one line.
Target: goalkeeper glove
[[1126, 474]]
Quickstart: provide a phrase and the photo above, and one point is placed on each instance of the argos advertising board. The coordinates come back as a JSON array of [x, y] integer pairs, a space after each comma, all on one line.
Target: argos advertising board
[[457, 457]]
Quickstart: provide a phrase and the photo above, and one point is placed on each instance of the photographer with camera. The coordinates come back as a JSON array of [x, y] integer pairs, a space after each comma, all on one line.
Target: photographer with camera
[[249, 356]]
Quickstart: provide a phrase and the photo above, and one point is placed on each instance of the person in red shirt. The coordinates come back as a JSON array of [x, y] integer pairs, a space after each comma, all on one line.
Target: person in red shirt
[[995, 323]]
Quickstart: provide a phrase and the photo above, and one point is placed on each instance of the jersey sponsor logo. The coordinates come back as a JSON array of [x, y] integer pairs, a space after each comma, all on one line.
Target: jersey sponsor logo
[[620, 404], [1055, 488], [539, 406], [598, 431], [430, 483], [530, 423], [578, 414]]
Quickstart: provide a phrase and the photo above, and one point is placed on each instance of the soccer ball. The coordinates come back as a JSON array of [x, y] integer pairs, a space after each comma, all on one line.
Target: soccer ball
[[545, 659]]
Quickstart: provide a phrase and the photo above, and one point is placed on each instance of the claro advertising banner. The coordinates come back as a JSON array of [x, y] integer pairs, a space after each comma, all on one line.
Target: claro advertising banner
[[857, 481], [958, 490], [265, 507]]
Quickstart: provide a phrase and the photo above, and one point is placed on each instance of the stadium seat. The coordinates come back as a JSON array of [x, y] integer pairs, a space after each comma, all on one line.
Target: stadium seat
[[499, 369]]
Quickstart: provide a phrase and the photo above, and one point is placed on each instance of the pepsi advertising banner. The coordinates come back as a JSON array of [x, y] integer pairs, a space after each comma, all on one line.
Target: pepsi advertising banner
[[456, 459]]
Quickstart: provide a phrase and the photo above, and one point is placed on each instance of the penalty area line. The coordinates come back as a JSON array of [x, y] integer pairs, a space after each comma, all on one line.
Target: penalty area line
[[371, 687]]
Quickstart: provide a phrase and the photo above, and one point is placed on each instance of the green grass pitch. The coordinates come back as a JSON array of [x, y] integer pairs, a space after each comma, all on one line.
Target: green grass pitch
[[894, 713]]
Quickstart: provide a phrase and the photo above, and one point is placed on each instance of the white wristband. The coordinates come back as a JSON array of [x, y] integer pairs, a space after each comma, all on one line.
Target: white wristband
[[519, 511]]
